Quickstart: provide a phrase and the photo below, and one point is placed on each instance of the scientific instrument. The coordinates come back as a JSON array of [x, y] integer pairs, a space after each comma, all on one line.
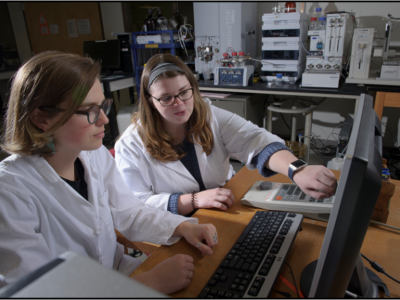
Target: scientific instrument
[[284, 35], [327, 52]]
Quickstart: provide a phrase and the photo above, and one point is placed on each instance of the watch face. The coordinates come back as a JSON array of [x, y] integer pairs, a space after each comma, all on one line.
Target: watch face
[[298, 163]]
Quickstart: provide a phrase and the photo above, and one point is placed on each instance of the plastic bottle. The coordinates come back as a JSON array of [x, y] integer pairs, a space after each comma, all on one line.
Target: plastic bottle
[[290, 7], [313, 23], [242, 61], [322, 23], [278, 80]]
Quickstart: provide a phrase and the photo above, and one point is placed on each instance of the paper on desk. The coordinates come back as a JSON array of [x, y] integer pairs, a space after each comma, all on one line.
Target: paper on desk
[[214, 95]]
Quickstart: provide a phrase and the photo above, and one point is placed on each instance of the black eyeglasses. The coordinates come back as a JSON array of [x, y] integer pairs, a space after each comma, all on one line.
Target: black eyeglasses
[[169, 100], [92, 113]]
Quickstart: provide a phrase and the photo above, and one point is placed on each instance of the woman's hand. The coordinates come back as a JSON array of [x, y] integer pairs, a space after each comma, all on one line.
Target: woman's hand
[[216, 198], [171, 275], [197, 234], [316, 181]]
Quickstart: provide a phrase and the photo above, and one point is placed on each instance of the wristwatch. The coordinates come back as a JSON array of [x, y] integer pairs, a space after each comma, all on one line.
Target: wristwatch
[[294, 166]]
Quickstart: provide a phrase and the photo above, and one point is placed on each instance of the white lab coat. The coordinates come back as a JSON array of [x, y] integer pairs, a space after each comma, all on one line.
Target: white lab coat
[[153, 181], [41, 216]]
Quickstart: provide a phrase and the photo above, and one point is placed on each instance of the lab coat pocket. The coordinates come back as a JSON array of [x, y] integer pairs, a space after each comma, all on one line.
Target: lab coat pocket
[[105, 215]]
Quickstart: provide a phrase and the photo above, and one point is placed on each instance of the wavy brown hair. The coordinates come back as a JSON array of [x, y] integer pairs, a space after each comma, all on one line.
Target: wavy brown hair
[[148, 120], [47, 79]]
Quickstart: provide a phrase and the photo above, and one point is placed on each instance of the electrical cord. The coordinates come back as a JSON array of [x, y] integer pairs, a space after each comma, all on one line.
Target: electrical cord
[[379, 268], [386, 225], [294, 281]]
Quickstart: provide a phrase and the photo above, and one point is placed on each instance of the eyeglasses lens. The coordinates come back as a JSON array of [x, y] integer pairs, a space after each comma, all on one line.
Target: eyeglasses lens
[[184, 95], [94, 112]]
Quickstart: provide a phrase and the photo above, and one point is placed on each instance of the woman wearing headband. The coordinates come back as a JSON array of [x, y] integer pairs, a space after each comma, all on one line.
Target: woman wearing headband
[[175, 155], [61, 191]]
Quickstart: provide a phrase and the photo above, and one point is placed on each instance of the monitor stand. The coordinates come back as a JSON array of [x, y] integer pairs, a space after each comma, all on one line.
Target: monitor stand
[[363, 282]]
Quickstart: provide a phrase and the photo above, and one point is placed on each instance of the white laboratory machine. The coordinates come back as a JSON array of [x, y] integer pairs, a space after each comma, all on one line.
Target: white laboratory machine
[[328, 51], [361, 53], [284, 41], [242, 76], [287, 197], [223, 27]]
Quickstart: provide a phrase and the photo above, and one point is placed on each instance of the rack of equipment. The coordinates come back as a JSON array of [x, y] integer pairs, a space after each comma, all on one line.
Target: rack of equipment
[[283, 38], [328, 49]]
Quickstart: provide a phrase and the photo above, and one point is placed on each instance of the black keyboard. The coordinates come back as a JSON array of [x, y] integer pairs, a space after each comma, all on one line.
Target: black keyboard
[[252, 265]]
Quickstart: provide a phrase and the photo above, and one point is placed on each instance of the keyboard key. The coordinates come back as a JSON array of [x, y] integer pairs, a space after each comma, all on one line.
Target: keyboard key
[[274, 250], [214, 292], [228, 295], [240, 275], [222, 278], [233, 262], [259, 279], [236, 296], [239, 264], [210, 297], [215, 276], [221, 294], [233, 287], [241, 288], [248, 276], [225, 263], [245, 266], [237, 280], [263, 272], [220, 271], [245, 282], [257, 284], [253, 267], [212, 282], [253, 291]]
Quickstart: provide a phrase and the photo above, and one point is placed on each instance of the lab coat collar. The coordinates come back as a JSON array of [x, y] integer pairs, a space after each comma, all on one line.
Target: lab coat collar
[[177, 166], [47, 171]]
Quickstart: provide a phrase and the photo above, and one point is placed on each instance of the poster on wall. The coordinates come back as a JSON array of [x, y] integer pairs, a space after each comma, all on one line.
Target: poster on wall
[[72, 30], [84, 26], [54, 29]]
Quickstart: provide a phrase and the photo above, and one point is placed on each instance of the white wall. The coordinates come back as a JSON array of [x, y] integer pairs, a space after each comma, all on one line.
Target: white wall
[[333, 111]]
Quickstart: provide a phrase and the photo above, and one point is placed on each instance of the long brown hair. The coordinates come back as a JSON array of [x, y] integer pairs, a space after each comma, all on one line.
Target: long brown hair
[[47, 79], [148, 120]]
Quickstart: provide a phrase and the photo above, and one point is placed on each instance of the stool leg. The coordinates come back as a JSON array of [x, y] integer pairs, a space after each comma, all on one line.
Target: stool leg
[[307, 129], [269, 121], [294, 126]]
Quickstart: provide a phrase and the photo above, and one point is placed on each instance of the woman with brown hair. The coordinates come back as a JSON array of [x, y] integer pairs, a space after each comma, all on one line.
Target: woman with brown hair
[[175, 155], [60, 189]]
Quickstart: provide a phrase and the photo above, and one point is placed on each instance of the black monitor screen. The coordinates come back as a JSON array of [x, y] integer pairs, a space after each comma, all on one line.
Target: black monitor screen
[[107, 52], [339, 269]]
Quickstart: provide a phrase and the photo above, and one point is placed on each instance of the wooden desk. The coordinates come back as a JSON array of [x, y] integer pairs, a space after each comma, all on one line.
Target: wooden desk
[[381, 244], [387, 99]]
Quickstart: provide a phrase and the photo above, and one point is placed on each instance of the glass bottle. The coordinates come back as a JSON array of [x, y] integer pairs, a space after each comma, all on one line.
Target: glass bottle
[[146, 21], [234, 59], [313, 23], [278, 80], [290, 7], [318, 12], [322, 23], [242, 61]]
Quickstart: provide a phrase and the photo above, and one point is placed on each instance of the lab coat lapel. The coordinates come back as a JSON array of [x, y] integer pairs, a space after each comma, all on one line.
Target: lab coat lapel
[[177, 167], [202, 159], [92, 180]]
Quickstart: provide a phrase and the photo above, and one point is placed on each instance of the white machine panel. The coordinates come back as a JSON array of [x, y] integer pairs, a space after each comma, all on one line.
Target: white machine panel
[[278, 43], [361, 53], [224, 26], [339, 30], [327, 79]]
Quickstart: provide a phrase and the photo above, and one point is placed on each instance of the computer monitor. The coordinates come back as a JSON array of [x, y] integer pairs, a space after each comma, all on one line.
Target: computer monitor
[[340, 267], [107, 52]]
